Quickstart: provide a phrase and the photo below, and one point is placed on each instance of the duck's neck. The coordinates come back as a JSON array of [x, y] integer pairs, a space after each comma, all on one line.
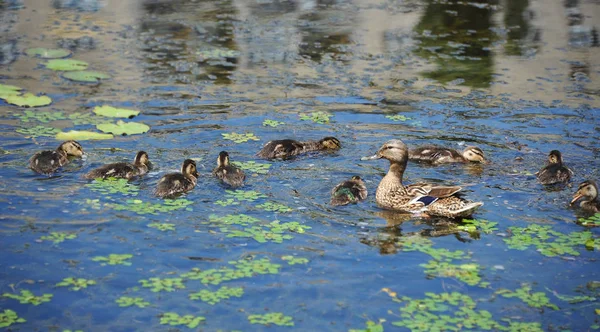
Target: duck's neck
[[393, 178], [312, 145]]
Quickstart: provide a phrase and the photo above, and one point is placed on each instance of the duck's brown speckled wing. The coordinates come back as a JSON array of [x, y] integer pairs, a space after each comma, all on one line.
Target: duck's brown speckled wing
[[434, 154], [173, 184], [348, 192], [116, 170], [47, 162], [554, 173], [280, 149], [230, 175]]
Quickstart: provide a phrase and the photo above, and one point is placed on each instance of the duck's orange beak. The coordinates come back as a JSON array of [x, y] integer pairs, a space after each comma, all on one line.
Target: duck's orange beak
[[577, 196]]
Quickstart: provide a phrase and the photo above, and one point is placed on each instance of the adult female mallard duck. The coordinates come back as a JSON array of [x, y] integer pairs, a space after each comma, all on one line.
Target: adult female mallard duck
[[439, 155], [351, 191], [588, 192], [127, 171], [555, 171], [286, 148], [433, 200], [47, 162], [173, 184], [228, 173]]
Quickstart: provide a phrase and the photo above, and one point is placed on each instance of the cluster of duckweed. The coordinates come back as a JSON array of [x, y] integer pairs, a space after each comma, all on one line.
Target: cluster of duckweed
[[292, 260], [272, 318], [125, 301], [173, 319], [165, 284], [473, 226], [272, 123], [164, 227], [243, 269], [534, 300], [274, 207], [58, 237], [114, 259], [111, 186], [371, 326], [548, 241], [316, 117], [592, 221], [76, 283], [253, 166], [215, 297], [9, 317], [240, 138], [38, 131], [265, 232], [234, 197], [140, 207], [398, 117], [27, 297]]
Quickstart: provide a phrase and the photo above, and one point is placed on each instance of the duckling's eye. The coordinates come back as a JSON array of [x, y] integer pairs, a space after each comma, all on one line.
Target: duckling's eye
[[389, 147]]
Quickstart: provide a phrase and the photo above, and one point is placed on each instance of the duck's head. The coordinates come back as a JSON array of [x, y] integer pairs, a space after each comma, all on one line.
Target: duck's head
[[393, 150], [223, 159], [555, 157], [357, 179], [330, 143], [141, 159], [71, 148], [189, 168], [474, 154], [587, 190]]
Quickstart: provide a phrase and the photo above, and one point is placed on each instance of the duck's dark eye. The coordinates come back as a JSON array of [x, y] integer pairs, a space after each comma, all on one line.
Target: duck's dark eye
[[389, 147]]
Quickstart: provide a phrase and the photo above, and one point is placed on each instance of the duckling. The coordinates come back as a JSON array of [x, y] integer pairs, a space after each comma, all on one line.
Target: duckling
[[127, 171], [555, 171], [47, 162], [287, 148], [439, 155], [173, 184], [433, 200], [351, 191], [228, 173], [588, 190]]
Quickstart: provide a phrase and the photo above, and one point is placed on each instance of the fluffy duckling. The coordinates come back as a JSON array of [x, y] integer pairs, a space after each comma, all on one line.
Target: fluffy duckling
[[127, 171], [351, 191], [588, 191], [47, 162], [434, 200], [439, 155], [228, 173], [173, 184], [287, 148], [555, 171]]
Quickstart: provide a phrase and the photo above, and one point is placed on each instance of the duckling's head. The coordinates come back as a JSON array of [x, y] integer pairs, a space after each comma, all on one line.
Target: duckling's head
[[223, 159], [356, 178], [393, 150], [189, 168], [588, 190], [474, 154], [71, 148], [141, 158], [555, 157], [330, 143]]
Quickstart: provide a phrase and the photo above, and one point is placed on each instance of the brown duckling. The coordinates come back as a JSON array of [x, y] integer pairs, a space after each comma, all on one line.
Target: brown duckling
[[351, 191], [47, 162], [439, 155], [286, 148], [588, 192], [127, 171], [228, 173], [416, 198], [555, 171], [173, 184]]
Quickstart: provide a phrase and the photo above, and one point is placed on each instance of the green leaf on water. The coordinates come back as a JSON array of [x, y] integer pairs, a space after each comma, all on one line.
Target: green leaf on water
[[275, 318], [86, 76], [535, 300], [371, 327], [81, 135], [27, 297], [174, 319], [38, 131], [123, 128], [222, 293], [272, 123], [58, 237], [27, 100], [253, 166], [9, 317], [125, 301], [48, 53], [66, 65], [316, 117], [167, 284], [162, 226], [114, 259], [240, 138], [8, 90], [593, 221], [75, 283], [292, 260], [113, 112]]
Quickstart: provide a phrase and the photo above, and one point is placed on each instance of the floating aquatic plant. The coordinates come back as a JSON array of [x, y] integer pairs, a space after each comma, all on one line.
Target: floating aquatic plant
[[253, 166], [125, 301], [258, 233], [66, 65], [81, 135], [243, 269], [371, 326], [27, 297], [123, 128], [58, 237], [114, 259], [274, 207], [244, 195], [44, 117], [79, 118], [48, 53], [38, 131], [467, 273], [9, 317], [292, 260], [114, 112], [166, 284], [110, 186], [85, 76], [140, 207], [272, 123], [272, 318], [227, 202], [76, 283], [162, 226], [9, 90], [397, 117], [535, 300], [316, 117], [26, 100], [222, 293], [174, 319], [482, 225], [240, 138], [234, 219], [593, 221], [548, 242], [573, 299]]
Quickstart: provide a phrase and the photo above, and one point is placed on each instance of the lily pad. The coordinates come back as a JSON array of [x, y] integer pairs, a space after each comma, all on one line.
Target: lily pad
[[9, 90], [66, 65], [123, 128], [27, 100], [48, 53], [113, 112], [86, 76], [80, 135]]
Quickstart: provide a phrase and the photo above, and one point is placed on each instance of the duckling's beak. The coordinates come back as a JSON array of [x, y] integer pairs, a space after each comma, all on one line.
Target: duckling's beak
[[373, 157], [577, 196], [84, 156]]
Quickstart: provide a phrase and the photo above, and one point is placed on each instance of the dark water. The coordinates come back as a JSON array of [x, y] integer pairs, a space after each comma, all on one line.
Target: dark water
[[517, 79]]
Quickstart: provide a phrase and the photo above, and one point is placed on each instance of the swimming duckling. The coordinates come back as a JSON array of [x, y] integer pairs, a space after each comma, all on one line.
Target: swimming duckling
[[127, 171], [47, 162], [286, 148], [433, 200], [173, 184], [555, 171], [588, 190], [439, 155], [228, 173], [351, 191]]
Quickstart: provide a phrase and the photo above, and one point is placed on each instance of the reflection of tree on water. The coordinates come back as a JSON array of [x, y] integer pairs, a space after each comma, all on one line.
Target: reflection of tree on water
[[458, 37], [520, 33]]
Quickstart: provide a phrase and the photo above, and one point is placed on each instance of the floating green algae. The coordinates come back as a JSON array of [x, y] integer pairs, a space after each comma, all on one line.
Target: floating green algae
[[253, 166], [140, 207], [76, 283], [163, 227], [240, 138], [547, 241], [242, 269], [292, 260], [27, 297], [173, 319], [316, 117], [215, 297], [111, 186], [114, 259], [534, 300], [272, 123], [274, 207], [125, 301], [468, 273], [272, 318], [58, 237], [9, 317], [160, 285], [38, 131]]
